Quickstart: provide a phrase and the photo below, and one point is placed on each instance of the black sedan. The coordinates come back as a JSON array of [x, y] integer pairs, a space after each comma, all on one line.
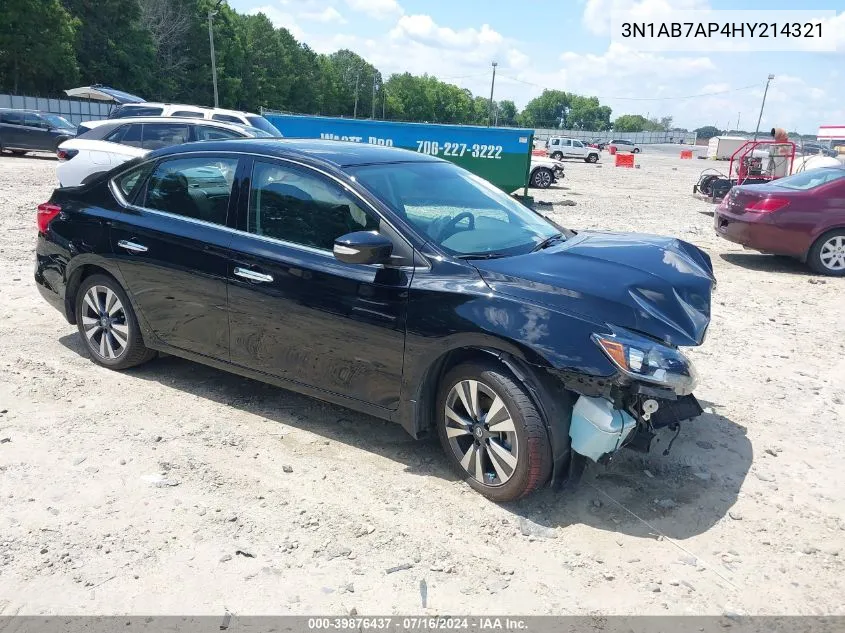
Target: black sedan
[[391, 282], [23, 131]]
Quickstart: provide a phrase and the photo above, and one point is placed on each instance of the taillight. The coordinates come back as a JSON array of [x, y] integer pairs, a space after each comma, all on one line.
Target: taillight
[[66, 154], [767, 204], [46, 212]]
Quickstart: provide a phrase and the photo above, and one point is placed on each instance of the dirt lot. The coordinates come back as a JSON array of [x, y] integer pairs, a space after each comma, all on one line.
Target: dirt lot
[[174, 488]]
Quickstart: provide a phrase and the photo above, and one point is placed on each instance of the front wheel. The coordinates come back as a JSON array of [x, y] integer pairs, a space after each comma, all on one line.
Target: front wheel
[[108, 325], [492, 432], [557, 156], [592, 158], [542, 178], [827, 255]]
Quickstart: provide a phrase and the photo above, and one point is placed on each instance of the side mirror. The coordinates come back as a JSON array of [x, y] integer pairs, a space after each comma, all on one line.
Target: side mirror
[[363, 247]]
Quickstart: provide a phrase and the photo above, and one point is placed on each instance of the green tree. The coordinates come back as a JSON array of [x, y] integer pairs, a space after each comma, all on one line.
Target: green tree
[[630, 123], [586, 113], [37, 47], [111, 46], [708, 131], [550, 109], [507, 113]]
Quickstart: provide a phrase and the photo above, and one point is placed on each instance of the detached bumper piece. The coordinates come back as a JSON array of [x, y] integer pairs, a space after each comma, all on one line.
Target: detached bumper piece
[[674, 411]]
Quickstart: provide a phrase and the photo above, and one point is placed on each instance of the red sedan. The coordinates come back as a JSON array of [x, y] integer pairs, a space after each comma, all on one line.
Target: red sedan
[[801, 216]]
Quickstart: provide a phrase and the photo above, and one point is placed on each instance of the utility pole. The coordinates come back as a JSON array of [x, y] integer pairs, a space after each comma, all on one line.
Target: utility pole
[[492, 85], [738, 117], [211, 14], [374, 96], [357, 79], [762, 105]]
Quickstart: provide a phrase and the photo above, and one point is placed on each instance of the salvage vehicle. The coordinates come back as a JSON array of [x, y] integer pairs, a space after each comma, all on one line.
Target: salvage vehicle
[[23, 131], [110, 142], [802, 216], [624, 145], [561, 147], [391, 282], [544, 172]]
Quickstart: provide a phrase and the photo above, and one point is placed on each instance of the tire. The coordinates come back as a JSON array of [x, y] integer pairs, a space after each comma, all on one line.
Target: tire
[[592, 158], [556, 155], [636, 150], [827, 254], [542, 178], [104, 345], [523, 456]]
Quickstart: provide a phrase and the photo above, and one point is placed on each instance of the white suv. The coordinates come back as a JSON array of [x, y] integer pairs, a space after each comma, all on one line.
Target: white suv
[[148, 109], [561, 147]]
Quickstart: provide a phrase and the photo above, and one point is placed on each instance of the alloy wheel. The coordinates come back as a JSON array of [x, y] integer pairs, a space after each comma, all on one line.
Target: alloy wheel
[[832, 253], [104, 322], [543, 179], [481, 432]]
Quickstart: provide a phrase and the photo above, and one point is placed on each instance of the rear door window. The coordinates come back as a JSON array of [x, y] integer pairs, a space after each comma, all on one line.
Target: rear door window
[[197, 188], [158, 135], [135, 111], [210, 133], [33, 120], [11, 118], [227, 117], [126, 135]]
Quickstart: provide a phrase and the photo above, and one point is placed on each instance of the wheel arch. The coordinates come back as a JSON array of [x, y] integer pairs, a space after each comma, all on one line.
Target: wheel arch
[[79, 269], [548, 394]]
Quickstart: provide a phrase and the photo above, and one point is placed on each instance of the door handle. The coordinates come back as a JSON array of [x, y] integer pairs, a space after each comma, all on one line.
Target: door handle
[[132, 247], [252, 275]]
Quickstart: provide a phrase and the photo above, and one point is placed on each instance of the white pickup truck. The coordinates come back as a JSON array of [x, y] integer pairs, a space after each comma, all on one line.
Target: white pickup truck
[[562, 147]]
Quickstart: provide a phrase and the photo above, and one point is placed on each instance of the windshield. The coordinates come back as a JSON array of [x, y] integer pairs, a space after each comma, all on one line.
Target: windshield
[[458, 211], [810, 179], [57, 121], [258, 133], [263, 124]]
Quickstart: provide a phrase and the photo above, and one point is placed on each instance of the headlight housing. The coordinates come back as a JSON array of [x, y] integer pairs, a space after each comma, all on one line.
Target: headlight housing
[[647, 360]]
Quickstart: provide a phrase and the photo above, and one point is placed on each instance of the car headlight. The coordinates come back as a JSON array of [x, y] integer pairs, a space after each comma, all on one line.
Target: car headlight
[[644, 359]]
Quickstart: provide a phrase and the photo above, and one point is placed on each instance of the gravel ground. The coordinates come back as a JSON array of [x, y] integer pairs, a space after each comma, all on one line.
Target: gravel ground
[[178, 489]]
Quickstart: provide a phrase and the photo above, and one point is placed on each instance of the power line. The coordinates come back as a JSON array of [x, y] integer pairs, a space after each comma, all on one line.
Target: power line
[[606, 98]]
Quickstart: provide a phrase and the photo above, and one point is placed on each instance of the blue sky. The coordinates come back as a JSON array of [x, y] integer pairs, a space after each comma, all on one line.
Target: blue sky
[[566, 45]]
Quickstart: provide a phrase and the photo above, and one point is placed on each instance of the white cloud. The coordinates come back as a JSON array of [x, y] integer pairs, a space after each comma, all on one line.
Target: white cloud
[[422, 29], [329, 14], [517, 59], [597, 12], [380, 9], [280, 19]]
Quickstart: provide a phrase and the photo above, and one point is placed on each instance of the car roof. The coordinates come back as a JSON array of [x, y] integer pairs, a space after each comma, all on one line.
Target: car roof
[[157, 104], [335, 153], [168, 119]]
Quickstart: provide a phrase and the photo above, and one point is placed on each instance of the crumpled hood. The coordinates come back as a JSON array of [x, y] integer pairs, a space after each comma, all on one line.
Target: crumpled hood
[[656, 285]]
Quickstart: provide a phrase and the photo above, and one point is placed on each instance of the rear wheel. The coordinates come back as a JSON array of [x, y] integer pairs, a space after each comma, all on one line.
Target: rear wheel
[[827, 255], [636, 150], [107, 324], [492, 433], [542, 178]]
